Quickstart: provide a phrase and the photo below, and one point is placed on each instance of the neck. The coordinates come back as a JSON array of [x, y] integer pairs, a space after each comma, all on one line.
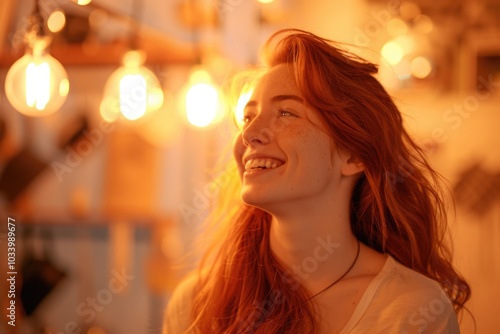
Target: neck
[[317, 246]]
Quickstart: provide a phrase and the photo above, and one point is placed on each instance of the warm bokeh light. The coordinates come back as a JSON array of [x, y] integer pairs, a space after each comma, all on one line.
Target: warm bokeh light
[[409, 10], [408, 43], [131, 91], [37, 84], [397, 27], [392, 52], [202, 100], [83, 2], [421, 67], [423, 24], [202, 104], [265, 1], [56, 21]]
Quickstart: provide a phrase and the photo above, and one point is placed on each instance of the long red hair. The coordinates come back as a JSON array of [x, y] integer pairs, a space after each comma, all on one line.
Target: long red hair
[[397, 206]]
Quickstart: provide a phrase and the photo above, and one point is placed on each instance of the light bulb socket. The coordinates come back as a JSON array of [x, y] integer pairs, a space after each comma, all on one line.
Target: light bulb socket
[[36, 39], [38, 46], [134, 58]]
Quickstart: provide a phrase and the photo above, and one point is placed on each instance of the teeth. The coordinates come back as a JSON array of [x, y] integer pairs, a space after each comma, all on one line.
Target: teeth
[[262, 163]]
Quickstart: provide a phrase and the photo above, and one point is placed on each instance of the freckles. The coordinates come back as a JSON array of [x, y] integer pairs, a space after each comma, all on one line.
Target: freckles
[[314, 145]]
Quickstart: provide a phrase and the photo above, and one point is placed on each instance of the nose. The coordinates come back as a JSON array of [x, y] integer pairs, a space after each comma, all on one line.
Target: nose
[[256, 132]]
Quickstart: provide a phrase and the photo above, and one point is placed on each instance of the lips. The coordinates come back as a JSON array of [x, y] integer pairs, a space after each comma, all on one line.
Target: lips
[[262, 163]]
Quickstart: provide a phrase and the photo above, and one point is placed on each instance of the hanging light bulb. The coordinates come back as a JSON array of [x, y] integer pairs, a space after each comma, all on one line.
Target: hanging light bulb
[[202, 100], [36, 84], [132, 90]]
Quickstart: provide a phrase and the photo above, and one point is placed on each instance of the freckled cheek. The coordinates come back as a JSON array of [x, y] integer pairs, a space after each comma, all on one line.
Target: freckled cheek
[[317, 154]]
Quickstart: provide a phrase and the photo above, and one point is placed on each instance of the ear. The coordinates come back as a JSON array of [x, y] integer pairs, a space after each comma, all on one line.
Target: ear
[[351, 165]]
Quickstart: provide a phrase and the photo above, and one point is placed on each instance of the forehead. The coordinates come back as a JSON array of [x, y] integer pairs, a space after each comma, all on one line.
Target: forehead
[[277, 80], [280, 80]]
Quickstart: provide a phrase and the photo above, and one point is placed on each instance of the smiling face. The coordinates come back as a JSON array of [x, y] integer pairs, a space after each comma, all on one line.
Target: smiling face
[[284, 153]]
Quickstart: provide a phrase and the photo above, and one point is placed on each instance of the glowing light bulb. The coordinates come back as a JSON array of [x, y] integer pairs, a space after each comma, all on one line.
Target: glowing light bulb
[[202, 100], [132, 91], [37, 84], [133, 102], [37, 94]]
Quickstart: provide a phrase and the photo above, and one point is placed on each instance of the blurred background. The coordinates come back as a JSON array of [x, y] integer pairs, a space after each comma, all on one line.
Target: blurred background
[[114, 146]]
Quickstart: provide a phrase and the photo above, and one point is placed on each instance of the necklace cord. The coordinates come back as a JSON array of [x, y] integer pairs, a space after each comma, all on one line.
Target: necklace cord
[[341, 277]]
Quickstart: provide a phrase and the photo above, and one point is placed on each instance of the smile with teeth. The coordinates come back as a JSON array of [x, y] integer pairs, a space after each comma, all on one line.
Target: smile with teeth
[[262, 163]]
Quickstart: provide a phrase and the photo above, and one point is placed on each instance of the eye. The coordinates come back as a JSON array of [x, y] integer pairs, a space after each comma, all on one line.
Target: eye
[[283, 112], [246, 119]]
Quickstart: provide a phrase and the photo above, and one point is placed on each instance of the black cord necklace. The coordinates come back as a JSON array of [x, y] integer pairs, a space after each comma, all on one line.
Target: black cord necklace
[[336, 281]]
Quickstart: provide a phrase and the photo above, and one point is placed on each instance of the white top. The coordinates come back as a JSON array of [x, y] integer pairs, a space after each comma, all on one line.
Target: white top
[[398, 300]]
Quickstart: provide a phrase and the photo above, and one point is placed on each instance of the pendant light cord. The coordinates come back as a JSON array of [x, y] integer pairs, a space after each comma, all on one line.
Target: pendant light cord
[[36, 22], [135, 23], [195, 33]]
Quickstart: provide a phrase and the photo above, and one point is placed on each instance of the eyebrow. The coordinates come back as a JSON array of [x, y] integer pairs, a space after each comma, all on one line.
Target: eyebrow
[[277, 98]]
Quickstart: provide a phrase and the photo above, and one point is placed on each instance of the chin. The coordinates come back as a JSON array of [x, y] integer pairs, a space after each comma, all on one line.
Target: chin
[[251, 199], [255, 199], [264, 202]]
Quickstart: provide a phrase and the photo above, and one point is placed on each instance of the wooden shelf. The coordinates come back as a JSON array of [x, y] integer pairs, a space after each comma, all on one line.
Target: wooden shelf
[[158, 51]]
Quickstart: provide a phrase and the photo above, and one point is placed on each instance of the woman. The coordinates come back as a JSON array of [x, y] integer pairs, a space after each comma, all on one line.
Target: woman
[[342, 225]]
